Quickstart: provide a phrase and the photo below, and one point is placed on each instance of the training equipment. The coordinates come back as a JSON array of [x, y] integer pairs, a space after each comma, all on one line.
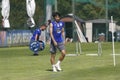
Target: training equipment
[[113, 45], [5, 13], [30, 11], [79, 33], [42, 45], [36, 46]]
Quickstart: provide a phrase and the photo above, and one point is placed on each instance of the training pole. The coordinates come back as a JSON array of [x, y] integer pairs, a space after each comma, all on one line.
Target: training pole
[[113, 47], [99, 49]]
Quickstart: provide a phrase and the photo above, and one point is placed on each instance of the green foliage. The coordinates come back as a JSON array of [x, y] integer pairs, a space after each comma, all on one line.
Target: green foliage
[[91, 9], [85, 9], [64, 6]]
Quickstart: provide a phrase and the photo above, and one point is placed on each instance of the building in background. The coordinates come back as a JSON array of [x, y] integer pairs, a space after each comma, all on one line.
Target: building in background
[[98, 26]]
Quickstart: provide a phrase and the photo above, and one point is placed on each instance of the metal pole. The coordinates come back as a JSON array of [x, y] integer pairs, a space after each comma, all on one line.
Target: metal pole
[[114, 61], [107, 26], [56, 8], [73, 13], [73, 27], [73, 7]]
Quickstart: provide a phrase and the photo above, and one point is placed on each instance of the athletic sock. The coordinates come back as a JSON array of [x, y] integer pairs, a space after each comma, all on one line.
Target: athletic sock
[[53, 65], [58, 63], [54, 68]]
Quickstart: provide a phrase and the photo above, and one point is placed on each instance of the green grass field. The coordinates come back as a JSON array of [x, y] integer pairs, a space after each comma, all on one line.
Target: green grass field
[[17, 63]]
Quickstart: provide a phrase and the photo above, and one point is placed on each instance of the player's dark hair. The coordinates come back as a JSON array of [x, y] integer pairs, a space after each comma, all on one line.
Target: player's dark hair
[[49, 21], [56, 14], [44, 25]]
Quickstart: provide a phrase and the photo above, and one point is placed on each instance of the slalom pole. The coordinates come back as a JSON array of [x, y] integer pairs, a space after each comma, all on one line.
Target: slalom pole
[[99, 49], [77, 48], [113, 47], [80, 48]]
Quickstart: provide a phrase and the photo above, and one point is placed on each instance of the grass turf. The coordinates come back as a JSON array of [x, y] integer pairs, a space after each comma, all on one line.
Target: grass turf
[[17, 63]]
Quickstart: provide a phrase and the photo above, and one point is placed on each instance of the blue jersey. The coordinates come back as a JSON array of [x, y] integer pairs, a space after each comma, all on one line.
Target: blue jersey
[[57, 31], [36, 32]]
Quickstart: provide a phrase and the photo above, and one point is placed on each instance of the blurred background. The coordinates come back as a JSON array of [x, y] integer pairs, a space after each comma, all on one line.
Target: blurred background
[[93, 18]]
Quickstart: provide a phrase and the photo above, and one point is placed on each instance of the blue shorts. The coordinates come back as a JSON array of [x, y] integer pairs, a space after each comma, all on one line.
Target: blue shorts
[[59, 46]]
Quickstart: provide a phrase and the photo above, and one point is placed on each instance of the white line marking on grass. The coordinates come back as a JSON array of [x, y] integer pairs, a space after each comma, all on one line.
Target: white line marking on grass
[[115, 54], [71, 55], [91, 54]]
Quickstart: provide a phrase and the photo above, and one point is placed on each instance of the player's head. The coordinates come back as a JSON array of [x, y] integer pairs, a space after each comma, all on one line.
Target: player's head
[[43, 27], [56, 16]]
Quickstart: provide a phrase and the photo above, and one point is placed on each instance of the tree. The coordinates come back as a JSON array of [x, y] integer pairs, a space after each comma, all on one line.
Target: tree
[[91, 9], [85, 9]]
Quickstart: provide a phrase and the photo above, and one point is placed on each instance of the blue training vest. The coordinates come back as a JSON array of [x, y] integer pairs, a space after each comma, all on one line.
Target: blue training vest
[[38, 32], [57, 31]]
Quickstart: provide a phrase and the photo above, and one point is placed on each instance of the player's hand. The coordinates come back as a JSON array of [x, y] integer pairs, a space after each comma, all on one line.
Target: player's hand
[[55, 43]]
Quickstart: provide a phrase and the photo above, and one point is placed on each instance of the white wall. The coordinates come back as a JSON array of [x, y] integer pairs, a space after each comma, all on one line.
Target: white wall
[[89, 31], [110, 27]]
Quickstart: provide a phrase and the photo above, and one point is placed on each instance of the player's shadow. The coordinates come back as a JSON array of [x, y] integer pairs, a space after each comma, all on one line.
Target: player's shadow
[[49, 70]]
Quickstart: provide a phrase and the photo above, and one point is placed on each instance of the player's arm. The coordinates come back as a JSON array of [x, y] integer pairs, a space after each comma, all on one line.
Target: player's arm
[[63, 34], [36, 37], [51, 34]]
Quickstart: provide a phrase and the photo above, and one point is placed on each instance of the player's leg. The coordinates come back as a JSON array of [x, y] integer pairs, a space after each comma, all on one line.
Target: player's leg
[[52, 58], [61, 47], [63, 52], [61, 58]]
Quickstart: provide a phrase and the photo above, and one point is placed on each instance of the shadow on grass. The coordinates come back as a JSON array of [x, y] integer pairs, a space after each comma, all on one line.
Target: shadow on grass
[[50, 70]]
